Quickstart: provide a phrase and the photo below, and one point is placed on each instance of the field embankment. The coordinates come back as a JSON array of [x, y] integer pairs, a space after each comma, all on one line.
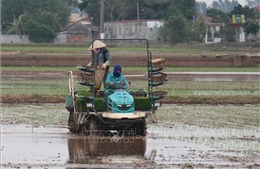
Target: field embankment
[[38, 74]]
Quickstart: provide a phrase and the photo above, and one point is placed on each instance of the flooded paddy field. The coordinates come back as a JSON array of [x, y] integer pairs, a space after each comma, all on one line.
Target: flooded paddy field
[[185, 136]]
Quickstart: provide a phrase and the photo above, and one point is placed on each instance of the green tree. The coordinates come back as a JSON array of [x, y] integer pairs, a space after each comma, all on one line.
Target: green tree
[[42, 28], [73, 2], [16, 27], [179, 28], [229, 33], [178, 22], [187, 7], [47, 17], [115, 9], [246, 11], [252, 27], [153, 9], [125, 9], [198, 31], [10, 9], [164, 32], [172, 10], [218, 16], [176, 26]]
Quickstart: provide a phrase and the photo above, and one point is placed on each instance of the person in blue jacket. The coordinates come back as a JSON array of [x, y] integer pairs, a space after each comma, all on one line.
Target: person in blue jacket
[[115, 80]]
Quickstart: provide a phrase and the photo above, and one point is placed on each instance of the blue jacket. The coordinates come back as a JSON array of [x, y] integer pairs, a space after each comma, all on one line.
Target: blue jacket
[[119, 82]]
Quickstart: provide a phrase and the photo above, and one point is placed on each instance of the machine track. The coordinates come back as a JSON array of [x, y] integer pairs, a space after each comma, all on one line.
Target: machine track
[[93, 127], [141, 129]]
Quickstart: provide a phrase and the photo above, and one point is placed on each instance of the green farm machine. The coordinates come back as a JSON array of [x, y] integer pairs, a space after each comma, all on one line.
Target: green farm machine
[[124, 113]]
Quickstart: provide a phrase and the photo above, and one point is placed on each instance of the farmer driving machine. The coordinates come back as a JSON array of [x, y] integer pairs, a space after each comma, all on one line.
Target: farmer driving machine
[[123, 111]]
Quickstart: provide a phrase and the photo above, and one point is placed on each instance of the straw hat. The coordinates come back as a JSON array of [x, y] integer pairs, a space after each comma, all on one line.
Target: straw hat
[[97, 44]]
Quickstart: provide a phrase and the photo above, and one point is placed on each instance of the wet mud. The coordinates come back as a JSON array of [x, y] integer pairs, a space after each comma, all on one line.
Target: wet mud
[[27, 146]]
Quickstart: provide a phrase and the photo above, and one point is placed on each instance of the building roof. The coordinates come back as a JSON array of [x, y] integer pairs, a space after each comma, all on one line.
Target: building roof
[[236, 24], [131, 21], [78, 17], [257, 8], [204, 18], [212, 24], [79, 26], [207, 20]]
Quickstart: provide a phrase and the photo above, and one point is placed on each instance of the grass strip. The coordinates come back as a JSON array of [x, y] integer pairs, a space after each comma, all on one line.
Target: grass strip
[[214, 100], [111, 48], [133, 69]]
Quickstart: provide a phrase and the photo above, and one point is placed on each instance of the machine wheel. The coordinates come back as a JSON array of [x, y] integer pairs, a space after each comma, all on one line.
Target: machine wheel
[[84, 129], [72, 127], [93, 127], [140, 129]]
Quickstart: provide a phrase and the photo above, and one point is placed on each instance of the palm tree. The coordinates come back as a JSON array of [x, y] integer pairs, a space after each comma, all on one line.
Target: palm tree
[[16, 26]]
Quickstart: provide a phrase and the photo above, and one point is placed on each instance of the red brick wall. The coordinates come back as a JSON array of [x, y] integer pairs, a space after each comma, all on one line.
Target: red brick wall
[[75, 39]]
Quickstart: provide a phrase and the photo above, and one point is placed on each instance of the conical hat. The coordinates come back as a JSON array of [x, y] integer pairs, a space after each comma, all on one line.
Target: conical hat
[[97, 44]]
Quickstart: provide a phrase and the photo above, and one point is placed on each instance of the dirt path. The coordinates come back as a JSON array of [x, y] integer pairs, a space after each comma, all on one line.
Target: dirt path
[[130, 58]]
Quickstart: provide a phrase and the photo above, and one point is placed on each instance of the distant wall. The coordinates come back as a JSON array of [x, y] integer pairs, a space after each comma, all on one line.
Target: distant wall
[[81, 38], [224, 61], [15, 39], [72, 38], [133, 30], [235, 44], [68, 59], [61, 38]]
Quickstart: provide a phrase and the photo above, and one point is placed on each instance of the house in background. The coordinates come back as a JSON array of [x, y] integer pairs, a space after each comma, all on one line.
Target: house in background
[[133, 29], [80, 29], [258, 33], [211, 29], [77, 32], [238, 23], [257, 8]]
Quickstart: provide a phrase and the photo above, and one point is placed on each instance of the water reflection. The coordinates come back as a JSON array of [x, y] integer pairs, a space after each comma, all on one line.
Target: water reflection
[[56, 148], [105, 150]]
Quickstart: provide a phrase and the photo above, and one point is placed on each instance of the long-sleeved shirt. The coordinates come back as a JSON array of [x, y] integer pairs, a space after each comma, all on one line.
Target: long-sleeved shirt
[[118, 82], [102, 56]]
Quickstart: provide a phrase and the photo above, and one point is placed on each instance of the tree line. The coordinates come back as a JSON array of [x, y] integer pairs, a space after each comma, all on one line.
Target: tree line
[[41, 20]]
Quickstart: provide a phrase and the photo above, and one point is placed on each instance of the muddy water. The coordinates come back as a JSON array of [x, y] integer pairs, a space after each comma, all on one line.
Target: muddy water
[[41, 147]]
